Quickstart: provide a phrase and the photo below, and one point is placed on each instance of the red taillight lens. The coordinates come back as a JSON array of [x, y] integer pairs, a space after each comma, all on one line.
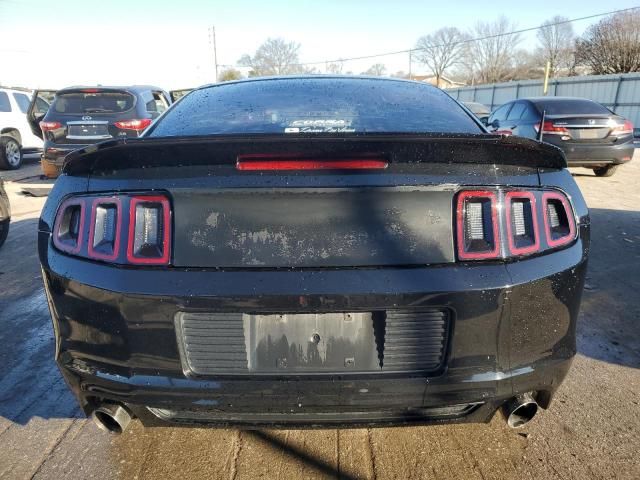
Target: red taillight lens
[[559, 222], [477, 225], [137, 124], [48, 126], [522, 223], [149, 230], [105, 227], [68, 228], [625, 129], [549, 128]]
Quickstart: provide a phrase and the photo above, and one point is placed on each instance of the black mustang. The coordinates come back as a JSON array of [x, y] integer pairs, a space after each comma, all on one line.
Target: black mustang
[[314, 251]]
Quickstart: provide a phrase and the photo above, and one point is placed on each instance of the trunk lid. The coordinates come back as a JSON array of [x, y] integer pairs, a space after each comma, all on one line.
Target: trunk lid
[[594, 128], [397, 216]]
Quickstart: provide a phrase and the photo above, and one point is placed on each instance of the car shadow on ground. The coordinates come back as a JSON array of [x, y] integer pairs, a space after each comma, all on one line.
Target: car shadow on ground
[[608, 328]]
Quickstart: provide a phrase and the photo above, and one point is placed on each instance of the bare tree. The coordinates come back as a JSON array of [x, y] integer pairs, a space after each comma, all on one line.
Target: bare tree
[[229, 74], [440, 50], [491, 57], [377, 69], [335, 67], [400, 74], [555, 41], [612, 45], [275, 56]]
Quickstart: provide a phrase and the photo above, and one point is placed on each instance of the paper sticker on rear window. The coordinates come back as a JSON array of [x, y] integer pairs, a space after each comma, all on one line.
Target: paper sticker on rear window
[[319, 126]]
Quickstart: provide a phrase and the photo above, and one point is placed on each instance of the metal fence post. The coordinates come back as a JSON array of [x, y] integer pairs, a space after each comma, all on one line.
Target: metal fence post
[[615, 99]]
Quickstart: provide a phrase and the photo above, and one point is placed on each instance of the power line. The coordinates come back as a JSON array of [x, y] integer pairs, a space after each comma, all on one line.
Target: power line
[[470, 40]]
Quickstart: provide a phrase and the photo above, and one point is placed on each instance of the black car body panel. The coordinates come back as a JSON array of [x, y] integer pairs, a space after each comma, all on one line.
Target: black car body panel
[[588, 140], [5, 213], [261, 321]]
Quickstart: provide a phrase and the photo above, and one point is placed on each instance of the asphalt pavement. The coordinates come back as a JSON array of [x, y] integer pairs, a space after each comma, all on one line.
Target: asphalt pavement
[[592, 429]]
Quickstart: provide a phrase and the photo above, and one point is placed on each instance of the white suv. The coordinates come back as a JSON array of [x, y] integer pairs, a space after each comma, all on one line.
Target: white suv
[[16, 136]]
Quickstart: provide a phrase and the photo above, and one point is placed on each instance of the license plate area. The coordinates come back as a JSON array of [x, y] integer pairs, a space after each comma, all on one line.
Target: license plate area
[[88, 131], [382, 341], [321, 342]]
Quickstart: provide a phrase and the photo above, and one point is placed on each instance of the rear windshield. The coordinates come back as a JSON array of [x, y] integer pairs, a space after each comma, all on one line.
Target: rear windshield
[[562, 107], [93, 102], [315, 105]]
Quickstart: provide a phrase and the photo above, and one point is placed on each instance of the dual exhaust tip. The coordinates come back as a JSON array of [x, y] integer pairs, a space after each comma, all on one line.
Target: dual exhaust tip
[[114, 418], [520, 410], [111, 417]]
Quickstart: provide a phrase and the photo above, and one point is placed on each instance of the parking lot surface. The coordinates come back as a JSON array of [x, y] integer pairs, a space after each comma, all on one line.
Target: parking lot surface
[[590, 431]]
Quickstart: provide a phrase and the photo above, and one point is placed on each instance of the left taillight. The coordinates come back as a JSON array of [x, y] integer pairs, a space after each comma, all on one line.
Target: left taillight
[[123, 228], [48, 126]]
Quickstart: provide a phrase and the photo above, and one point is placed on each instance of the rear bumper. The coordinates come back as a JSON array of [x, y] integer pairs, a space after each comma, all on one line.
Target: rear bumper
[[513, 331], [595, 155]]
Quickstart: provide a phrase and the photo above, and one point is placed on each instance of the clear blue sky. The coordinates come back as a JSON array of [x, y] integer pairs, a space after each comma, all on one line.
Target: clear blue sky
[[166, 42]]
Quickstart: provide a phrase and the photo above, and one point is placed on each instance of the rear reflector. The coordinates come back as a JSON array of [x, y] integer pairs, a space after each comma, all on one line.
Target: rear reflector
[[69, 226], [149, 230], [522, 223], [559, 224], [245, 164], [477, 225], [104, 232]]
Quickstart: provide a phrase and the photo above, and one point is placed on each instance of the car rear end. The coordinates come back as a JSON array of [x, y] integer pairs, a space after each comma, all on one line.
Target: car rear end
[[314, 278], [589, 134], [80, 117]]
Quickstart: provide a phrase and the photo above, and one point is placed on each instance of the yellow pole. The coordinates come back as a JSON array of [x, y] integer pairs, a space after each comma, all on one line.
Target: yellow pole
[[546, 78]]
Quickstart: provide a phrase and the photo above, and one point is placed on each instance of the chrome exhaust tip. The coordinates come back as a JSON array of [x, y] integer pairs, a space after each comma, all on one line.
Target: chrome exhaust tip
[[111, 418], [520, 410]]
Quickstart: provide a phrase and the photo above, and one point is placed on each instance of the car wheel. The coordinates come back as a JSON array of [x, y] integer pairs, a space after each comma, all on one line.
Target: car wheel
[[10, 153], [4, 231], [605, 171]]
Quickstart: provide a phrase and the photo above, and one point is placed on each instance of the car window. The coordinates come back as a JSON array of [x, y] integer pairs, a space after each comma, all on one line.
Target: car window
[[92, 101], [308, 105], [530, 114], [5, 106], [517, 111], [571, 106], [501, 113], [157, 103], [22, 100], [42, 107]]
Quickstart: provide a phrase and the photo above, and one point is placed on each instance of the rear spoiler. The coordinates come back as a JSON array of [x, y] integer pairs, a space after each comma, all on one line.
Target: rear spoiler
[[395, 148]]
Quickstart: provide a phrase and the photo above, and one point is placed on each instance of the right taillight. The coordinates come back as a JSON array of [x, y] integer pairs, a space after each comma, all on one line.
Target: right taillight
[[559, 224], [503, 224], [625, 129]]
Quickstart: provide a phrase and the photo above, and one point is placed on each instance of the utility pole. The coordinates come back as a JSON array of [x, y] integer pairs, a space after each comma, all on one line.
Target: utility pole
[[409, 64], [212, 41]]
